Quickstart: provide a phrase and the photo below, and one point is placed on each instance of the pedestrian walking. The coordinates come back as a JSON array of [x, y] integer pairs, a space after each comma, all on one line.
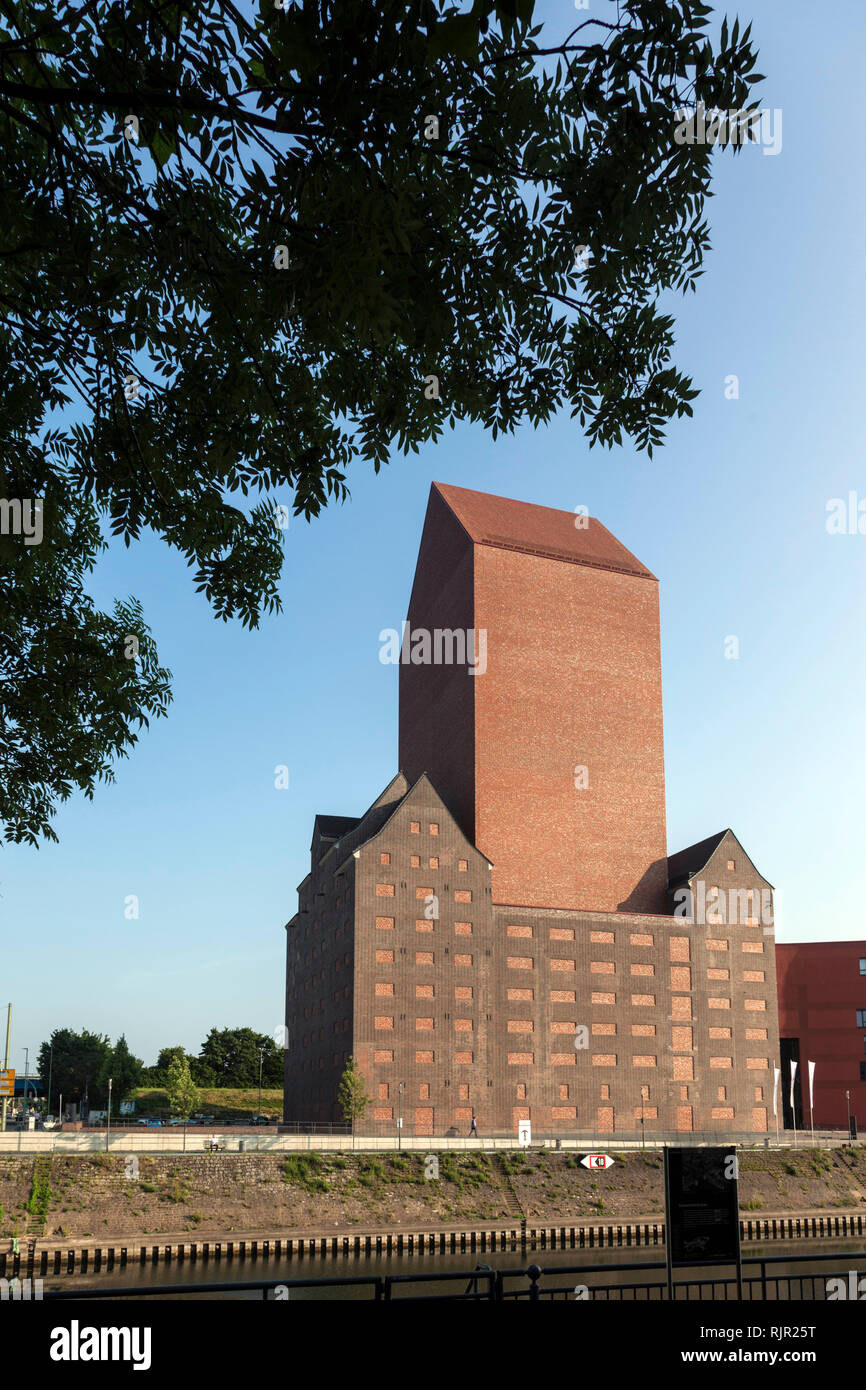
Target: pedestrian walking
[[473, 1128]]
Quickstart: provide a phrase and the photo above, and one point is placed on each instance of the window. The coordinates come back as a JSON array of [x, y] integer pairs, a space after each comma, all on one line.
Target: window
[[730, 864], [863, 1071], [861, 1018], [863, 965]]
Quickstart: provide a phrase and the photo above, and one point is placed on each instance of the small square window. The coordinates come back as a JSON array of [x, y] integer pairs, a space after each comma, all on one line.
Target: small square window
[[730, 863], [414, 861], [462, 865], [415, 827], [861, 1018], [863, 965], [386, 859], [434, 829], [434, 864]]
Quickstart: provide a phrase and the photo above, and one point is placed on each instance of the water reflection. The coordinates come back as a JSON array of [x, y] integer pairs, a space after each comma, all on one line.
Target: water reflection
[[597, 1263]]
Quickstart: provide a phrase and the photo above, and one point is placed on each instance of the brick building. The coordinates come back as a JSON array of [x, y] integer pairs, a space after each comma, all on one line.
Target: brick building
[[822, 1019], [502, 932]]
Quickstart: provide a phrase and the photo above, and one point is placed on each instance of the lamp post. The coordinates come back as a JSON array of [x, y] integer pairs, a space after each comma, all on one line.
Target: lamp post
[[108, 1117], [261, 1064], [50, 1069], [642, 1131], [848, 1108], [26, 1052], [6, 1065], [399, 1115]]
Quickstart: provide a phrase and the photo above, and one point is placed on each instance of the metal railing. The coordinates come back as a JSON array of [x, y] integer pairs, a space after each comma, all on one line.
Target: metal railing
[[482, 1283]]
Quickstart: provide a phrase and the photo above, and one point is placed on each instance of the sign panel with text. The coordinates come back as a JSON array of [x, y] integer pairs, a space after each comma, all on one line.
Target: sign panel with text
[[702, 1206]]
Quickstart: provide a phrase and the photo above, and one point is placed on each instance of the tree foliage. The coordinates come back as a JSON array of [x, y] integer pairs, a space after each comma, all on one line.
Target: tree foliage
[[124, 1070], [240, 254], [182, 1091], [352, 1096], [77, 1065], [231, 1057]]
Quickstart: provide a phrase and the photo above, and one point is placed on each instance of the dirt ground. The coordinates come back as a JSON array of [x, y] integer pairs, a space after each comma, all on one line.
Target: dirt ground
[[103, 1196]]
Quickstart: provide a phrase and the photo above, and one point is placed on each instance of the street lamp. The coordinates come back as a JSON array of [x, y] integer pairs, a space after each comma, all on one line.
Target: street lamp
[[848, 1107], [26, 1052], [108, 1119], [261, 1064], [400, 1115], [50, 1068]]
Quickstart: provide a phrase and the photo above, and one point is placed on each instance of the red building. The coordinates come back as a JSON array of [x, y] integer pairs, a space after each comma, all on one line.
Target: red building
[[822, 1019]]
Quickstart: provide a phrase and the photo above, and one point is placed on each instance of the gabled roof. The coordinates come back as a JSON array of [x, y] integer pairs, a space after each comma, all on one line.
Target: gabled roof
[[510, 525], [687, 862], [380, 813], [332, 827]]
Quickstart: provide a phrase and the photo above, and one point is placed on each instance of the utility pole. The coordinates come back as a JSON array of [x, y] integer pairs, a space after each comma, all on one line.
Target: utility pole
[[6, 1064], [108, 1119], [50, 1068]]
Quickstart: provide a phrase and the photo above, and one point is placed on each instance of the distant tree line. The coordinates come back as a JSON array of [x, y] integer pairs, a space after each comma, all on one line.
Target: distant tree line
[[81, 1063]]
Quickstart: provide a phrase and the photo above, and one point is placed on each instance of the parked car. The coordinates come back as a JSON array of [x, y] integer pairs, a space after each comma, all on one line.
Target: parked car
[[262, 1120]]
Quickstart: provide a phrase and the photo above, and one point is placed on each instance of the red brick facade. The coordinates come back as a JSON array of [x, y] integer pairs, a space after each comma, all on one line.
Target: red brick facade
[[573, 681], [822, 1019]]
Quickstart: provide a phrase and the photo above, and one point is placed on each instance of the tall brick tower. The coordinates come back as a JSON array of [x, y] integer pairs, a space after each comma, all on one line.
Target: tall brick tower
[[550, 753]]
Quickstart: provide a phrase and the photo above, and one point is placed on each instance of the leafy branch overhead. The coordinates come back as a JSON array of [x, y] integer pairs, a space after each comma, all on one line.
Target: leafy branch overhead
[[237, 249]]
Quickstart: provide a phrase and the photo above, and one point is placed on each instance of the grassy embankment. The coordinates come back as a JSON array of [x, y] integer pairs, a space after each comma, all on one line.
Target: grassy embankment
[[222, 1103], [97, 1195]]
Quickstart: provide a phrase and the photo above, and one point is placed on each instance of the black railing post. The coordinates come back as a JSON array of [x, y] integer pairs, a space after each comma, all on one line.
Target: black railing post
[[534, 1273]]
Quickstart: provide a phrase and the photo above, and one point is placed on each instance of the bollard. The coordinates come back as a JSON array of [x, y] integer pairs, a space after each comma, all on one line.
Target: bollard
[[534, 1273]]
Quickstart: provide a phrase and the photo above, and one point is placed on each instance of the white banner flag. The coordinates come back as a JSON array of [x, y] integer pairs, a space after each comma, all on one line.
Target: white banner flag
[[777, 1076], [811, 1066], [793, 1074]]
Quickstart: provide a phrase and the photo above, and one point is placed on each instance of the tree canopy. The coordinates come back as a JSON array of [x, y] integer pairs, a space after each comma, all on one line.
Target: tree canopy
[[243, 250]]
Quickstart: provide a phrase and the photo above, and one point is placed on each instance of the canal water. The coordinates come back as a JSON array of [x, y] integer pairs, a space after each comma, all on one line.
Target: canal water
[[596, 1265]]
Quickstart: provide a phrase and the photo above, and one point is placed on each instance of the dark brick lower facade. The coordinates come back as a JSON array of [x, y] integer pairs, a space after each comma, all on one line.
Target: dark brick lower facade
[[579, 1022]]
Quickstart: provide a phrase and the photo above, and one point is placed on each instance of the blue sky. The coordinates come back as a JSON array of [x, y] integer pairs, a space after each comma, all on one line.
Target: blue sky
[[730, 516]]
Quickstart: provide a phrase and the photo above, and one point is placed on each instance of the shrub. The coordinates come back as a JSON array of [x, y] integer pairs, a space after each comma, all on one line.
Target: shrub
[[302, 1170]]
